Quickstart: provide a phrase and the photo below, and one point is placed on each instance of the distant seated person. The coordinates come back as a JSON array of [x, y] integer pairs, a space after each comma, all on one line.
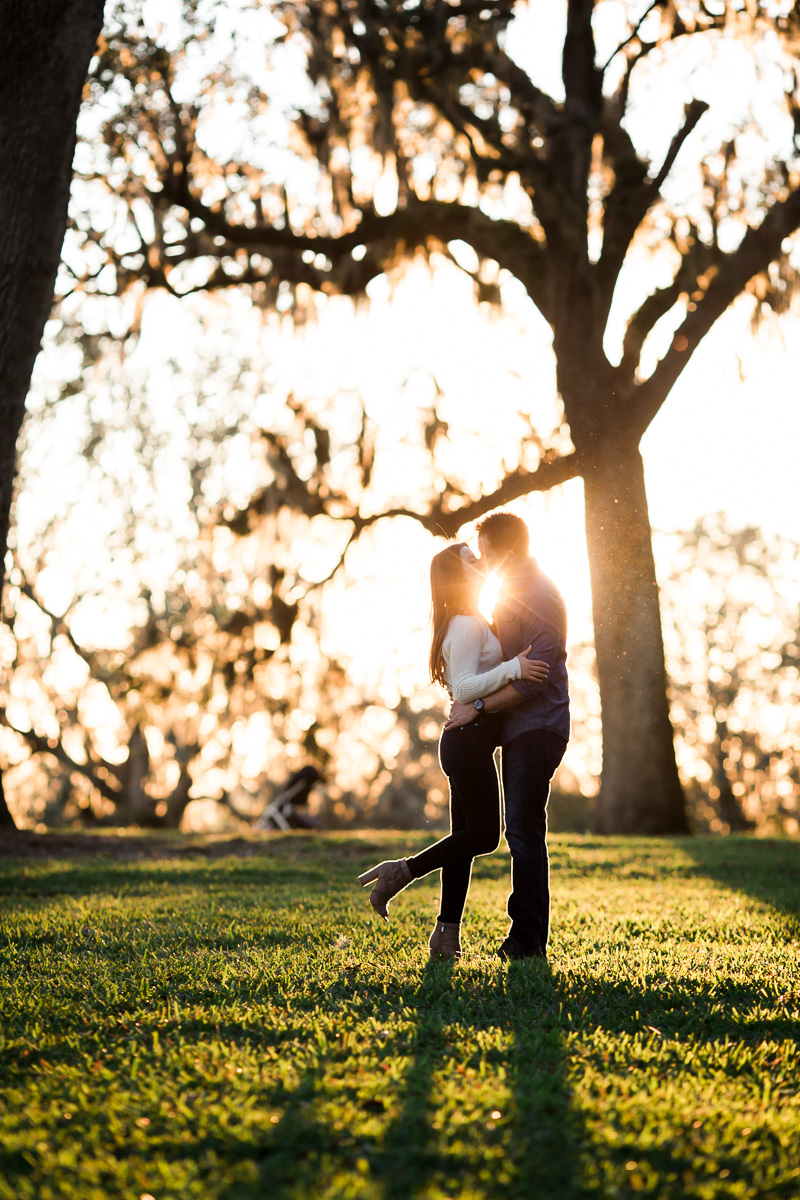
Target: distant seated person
[[284, 811]]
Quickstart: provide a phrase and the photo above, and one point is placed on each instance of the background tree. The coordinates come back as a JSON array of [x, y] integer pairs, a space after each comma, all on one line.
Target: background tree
[[732, 612], [423, 131], [46, 53], [157, 651]]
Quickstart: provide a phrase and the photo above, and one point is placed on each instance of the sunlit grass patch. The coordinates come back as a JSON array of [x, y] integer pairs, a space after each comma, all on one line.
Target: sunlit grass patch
[[245, 1027]]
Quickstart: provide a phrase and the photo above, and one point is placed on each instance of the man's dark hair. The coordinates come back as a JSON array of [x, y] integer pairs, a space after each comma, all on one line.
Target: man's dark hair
[[505, 532]]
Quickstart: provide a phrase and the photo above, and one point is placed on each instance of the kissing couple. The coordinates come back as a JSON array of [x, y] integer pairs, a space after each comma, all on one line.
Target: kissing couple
[[508, 685]]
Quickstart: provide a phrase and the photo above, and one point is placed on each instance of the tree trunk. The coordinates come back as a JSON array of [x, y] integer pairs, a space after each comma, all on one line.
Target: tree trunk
[[179, 801], [640, 790], [136, 806], [6, 819], [45, 50], [730, 810]]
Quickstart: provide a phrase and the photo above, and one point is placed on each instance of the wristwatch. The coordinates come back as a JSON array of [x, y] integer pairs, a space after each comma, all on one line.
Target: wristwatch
[[478, 705]]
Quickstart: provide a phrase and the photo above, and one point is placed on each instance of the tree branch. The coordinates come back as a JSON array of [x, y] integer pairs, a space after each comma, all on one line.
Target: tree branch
[[758, 248], [59, 626], [631, 197], [414, 226], [633, 35], [42, 745], [649, 312], [550, 473], [694, 110], [694, 264], [461, 117], [440, 519], [476, 53]]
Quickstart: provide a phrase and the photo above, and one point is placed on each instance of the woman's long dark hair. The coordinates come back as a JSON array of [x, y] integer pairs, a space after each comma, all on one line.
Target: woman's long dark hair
[[449, 595]]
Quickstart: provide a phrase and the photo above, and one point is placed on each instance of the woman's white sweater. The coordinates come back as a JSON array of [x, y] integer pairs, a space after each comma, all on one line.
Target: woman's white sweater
[[473, 660]]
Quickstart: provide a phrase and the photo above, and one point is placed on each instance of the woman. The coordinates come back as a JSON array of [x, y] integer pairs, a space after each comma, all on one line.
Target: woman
[[467, 659]]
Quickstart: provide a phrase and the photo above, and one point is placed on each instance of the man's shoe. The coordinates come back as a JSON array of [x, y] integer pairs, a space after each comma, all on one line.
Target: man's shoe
[[513, 949]]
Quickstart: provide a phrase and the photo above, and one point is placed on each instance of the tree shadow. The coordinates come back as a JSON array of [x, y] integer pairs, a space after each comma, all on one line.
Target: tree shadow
[[546, 1138], [104, 877], [703, 1012], [125, 952], [407, 1144], [766, 869], [410, 1151]]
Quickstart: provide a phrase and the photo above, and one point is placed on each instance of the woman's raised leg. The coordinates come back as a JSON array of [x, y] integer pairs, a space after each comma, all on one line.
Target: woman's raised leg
[[466, 756]]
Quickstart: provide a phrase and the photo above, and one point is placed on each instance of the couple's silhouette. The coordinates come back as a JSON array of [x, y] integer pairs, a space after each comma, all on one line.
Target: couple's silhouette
[[508, 686]]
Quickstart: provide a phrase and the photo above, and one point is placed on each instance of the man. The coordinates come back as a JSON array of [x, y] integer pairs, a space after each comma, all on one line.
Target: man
[[530, 612]]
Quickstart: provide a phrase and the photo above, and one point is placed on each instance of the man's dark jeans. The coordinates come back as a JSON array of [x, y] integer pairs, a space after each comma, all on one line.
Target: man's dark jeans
[[529, 763]]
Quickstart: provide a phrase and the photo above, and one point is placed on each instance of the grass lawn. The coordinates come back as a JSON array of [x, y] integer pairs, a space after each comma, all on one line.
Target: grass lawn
[[242, 1027]]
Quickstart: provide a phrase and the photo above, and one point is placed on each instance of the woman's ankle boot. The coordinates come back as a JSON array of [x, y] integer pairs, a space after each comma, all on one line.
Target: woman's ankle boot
[[390, 878], [446, 939]]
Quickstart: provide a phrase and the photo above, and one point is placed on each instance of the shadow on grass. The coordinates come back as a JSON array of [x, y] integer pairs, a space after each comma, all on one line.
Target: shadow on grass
[[539, 1144], [416, 1147], [545, 1139], [291, 858], [109, 877], [408, 1145], [766, 869]]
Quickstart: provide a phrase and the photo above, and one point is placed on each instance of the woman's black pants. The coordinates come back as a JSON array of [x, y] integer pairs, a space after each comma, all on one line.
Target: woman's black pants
[[466, 757]]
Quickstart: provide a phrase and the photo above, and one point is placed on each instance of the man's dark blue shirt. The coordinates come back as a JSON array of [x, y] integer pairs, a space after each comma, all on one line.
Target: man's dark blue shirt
[[531, 612]]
